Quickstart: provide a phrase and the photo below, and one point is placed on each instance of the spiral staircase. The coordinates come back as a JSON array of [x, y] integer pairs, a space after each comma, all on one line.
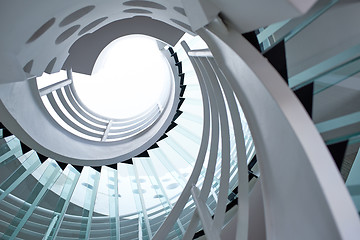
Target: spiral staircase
[[254, 139]]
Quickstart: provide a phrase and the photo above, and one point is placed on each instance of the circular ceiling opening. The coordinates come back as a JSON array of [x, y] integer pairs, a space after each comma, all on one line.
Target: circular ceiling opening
[[130, 76]]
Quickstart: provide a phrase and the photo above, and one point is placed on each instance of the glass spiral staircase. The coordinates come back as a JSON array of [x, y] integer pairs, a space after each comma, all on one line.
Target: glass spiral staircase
[[127, 200], [43, 198]]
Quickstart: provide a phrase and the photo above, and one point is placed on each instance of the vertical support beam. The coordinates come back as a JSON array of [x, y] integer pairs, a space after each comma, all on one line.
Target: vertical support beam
[[117, 220], [91, 210], [69, 186], [107, 130], [113, 202], [134, 187], [51, 226], [140, 226], [147, 223], [89, 202]]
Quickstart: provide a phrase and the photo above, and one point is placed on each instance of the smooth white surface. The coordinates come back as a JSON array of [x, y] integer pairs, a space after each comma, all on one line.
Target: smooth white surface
[[287, 144]]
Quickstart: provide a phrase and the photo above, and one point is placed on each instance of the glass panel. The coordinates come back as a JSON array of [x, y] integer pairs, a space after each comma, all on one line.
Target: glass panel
[[179, 155], [90, 184], [190, 78], [343, 63], [267, 32], [193, 118], [10, 146], [175, 232], [158, 156], [72, 177], [336, 76], [338, 122], [187, 213], [47, 179], [100, 227], [112, 182], [129, 220], [187, 66], [179, 142], [153, 197], [189, 129], [31, 163], [352, 138], [286, 30], [353, 181], [336, 111], [138, 197], [127, 206]]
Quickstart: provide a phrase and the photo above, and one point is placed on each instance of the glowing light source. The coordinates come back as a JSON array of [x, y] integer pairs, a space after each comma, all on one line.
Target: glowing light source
[[129, 76]]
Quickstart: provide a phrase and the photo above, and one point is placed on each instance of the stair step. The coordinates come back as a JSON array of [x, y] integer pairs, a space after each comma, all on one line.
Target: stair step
[[191, 117], [289, 28], [193, 136], [174, 169], [184, 146], [10, 146], [345, 61], [192, 130]]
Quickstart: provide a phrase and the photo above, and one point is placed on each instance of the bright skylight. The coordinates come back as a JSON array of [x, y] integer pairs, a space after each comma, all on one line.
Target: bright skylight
[[129, 76]]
